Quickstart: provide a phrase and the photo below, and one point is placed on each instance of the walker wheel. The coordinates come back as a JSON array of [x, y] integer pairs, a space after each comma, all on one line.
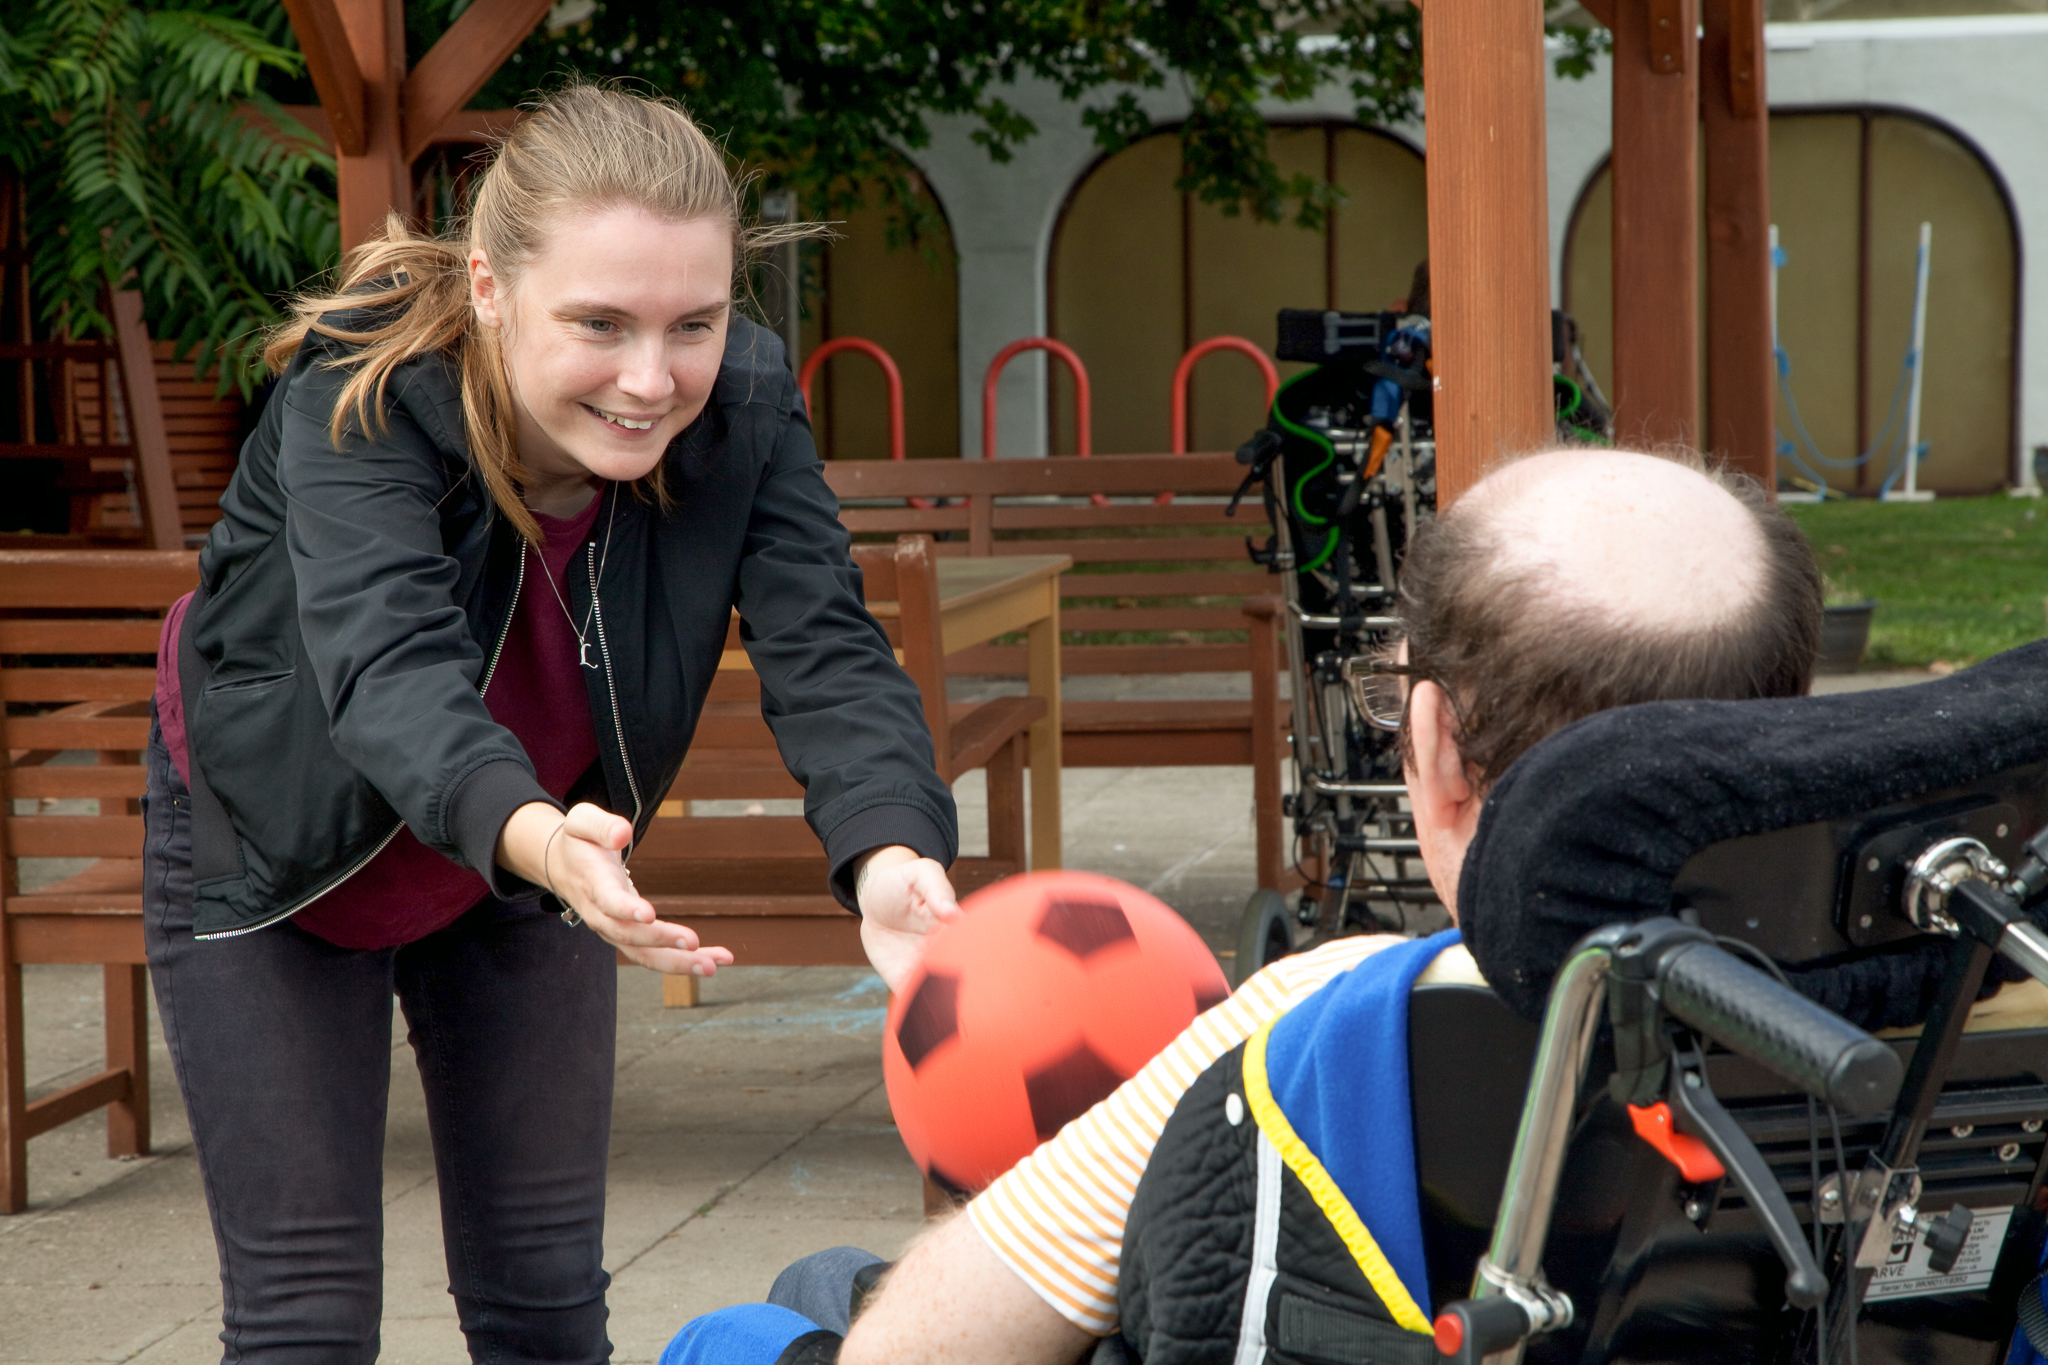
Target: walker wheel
[[1265, 936]]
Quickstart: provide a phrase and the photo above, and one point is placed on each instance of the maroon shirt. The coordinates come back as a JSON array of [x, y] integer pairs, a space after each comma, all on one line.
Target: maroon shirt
[[537, 692]]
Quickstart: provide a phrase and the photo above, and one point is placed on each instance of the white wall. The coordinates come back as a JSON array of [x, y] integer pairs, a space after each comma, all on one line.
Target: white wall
[[1003, 215], [1987, 77]]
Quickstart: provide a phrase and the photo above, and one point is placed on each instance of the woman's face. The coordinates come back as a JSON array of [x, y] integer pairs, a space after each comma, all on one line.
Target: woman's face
[[612, 338]]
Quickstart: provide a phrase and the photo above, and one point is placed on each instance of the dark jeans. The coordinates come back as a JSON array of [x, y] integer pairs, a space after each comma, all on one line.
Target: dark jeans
[[282, 1047]]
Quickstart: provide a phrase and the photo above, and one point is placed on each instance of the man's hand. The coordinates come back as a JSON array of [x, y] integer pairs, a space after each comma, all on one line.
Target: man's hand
[[902, 898], [577, 858]]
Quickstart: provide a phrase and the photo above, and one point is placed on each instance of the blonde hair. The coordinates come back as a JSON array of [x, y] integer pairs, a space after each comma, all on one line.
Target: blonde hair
[[584, 148]]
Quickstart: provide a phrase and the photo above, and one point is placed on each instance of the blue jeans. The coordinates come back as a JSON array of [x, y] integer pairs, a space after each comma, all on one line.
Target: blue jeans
[[282, 1047]]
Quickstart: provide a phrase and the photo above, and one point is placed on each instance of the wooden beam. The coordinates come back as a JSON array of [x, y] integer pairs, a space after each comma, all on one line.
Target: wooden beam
[[155, 488], [1656, 216], [462, 126], [1489, 236], [331, 62], [460, 61], [1740, 370], [377, 181]]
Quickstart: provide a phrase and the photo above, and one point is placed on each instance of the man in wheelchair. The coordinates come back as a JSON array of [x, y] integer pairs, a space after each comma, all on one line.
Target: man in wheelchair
[[1266, 1191]]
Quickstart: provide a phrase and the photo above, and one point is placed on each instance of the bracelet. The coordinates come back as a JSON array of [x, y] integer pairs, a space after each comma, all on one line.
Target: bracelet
[[569, 915]]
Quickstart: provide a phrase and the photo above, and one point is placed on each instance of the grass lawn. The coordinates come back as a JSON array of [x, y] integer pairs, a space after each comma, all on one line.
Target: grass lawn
[[1955, 580]]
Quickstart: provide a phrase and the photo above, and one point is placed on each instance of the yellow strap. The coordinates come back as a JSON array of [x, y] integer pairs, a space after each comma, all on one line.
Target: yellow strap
[[1364, 1250]]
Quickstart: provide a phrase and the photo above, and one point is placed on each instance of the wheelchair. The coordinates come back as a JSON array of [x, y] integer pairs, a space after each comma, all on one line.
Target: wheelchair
[[1708, 1165], [1346, 466]]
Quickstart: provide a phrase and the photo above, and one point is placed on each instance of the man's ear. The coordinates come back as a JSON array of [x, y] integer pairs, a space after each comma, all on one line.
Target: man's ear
[[1441, 792], [483, 290]]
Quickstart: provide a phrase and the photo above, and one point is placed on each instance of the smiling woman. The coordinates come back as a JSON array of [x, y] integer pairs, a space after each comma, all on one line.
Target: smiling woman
[[453, 634]]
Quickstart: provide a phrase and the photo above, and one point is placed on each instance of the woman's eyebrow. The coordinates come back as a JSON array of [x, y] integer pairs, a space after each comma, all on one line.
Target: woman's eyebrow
[[580, 308]]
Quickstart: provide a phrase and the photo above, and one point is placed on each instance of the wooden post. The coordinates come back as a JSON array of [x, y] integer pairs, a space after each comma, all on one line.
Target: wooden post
[[379, 118], [1489, 235], [380, 179], [155, 488], [1656, 214], [1741, 373]]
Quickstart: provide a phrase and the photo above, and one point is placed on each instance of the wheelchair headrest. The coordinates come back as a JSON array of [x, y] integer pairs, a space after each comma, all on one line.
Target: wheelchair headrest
[[1595, 825]]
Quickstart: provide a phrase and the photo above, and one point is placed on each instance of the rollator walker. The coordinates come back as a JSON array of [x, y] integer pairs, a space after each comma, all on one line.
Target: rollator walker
[[1347, 468]]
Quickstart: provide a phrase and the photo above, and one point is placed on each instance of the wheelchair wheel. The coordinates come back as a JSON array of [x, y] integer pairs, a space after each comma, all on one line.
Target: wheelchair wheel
[[1265, 936]]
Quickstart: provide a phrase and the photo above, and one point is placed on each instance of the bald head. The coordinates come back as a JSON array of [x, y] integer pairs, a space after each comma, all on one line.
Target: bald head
[[1642, 540], [1574, 580]]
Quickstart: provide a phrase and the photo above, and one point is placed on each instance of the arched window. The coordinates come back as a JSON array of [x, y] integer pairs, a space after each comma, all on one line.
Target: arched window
[[904, 298], [1141, 271], [1849, 190]]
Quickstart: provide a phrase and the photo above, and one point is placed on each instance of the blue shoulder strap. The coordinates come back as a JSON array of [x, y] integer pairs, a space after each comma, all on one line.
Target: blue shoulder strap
[[1338, 1066]]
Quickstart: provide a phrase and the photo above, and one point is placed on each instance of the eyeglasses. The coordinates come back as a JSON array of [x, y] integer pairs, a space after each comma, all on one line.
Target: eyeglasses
[[1379, 688]]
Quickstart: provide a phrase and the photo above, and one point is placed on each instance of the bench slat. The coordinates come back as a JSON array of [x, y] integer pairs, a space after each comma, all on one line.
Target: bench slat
[[60, 732], [1078, 660], [73, 781], [1059, 475], [135, 635], [74, 836], [1168, 583], [71, 936], [1163, 549], [73, 579], [76, 684], [1061, 517], [1153, 618]]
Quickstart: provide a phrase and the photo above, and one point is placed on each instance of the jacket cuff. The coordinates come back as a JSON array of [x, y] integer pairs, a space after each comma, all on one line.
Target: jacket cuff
[[477, 813], [880, 827]]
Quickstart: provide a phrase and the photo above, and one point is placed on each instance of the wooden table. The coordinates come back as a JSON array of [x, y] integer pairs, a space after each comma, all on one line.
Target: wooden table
[[981, 598]]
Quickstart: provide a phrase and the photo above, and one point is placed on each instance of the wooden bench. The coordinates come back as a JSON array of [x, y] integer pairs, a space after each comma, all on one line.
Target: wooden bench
[[78, 638], [756, 884], [1142, 566]]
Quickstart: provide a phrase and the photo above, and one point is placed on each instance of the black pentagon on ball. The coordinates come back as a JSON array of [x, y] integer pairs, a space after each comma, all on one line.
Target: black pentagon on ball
[[931, 1017], [1068, 1087], [1085, 927]]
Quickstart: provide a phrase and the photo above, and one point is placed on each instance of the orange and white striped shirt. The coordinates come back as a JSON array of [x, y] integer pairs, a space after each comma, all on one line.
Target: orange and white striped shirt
[[1057, 1217]]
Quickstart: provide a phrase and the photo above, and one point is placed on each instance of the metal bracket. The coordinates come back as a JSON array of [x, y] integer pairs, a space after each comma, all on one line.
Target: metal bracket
[[1549, 1310], [1888, 1199], [1933, 876]]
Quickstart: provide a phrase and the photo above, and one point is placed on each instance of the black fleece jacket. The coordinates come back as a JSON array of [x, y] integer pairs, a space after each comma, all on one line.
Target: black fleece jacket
[[352, 598]]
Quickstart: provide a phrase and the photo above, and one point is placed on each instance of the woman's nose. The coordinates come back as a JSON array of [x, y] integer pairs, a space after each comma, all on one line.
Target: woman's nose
[[645, 374]]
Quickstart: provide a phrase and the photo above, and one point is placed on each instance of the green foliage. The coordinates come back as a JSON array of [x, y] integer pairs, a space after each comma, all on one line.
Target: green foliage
[[153, 146], [1956, 580], [154, 161]]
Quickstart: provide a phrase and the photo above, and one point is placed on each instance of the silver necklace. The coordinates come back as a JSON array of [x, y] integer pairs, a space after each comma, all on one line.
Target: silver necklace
[[583, 634]]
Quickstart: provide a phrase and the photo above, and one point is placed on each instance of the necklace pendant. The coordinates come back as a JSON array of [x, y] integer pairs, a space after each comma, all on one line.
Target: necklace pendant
[[583, 653]]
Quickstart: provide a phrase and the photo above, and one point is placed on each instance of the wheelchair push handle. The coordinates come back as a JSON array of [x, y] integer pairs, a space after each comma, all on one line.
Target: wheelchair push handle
[[1748, 1012]]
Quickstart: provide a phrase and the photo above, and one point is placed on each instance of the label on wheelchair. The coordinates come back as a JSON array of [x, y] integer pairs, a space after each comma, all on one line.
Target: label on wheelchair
[[1906, 1274]]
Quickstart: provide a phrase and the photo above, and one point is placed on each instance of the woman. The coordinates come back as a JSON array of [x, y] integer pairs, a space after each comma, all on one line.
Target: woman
[[451, 640]]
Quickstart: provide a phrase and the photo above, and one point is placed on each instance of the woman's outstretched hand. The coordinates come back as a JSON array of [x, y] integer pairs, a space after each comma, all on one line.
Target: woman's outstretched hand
[[902, 898], [578, 858]]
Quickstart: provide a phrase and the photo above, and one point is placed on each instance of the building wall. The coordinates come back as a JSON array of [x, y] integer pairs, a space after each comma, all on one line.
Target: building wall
[[1141, 271], [1833, 173], [1973, 90], [1979, 77]]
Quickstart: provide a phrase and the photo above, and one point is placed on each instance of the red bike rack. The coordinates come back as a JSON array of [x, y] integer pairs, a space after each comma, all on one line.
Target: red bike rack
[[890, 373], [1082, 419], [1185, 370]]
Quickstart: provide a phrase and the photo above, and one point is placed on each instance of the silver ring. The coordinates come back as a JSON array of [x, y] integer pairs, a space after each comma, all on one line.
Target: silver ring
[[571, 918]]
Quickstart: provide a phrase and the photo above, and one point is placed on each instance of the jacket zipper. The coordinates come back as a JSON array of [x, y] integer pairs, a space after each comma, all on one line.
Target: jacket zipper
[[490, 670], [618, 727]]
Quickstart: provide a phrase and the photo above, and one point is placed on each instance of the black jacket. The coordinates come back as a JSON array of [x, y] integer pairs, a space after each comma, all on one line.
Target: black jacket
[[351, 601]]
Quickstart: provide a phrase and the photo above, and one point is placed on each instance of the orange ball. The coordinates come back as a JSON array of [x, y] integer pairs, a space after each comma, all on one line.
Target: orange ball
[[1049, 991]]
